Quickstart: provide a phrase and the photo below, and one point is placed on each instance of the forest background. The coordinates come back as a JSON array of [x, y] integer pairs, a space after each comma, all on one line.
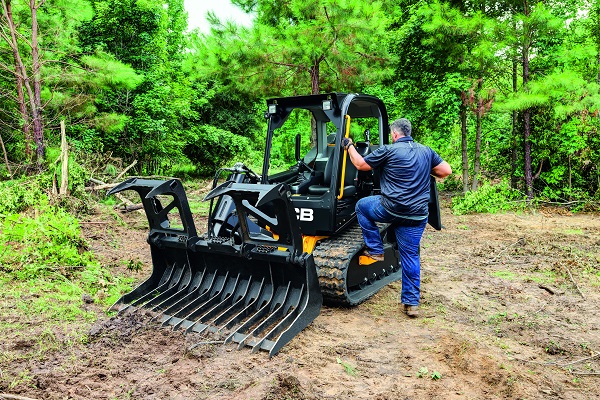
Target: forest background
[[506, 91]]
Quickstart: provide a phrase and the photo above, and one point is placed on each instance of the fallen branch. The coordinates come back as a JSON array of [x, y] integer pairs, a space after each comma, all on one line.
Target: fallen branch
[[131, 207], [541, 308], [14, 397], [128, 204], [586, 373], [101, 187], [119, 196], [574, 283], [581, 360], [521, 242], [550, 289], [125, 170]]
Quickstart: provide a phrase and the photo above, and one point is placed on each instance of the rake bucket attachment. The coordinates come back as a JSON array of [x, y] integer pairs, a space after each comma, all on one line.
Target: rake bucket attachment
[[256, 289]]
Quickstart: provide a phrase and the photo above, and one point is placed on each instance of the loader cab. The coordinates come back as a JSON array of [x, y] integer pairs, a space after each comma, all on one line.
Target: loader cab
[[323, 183]]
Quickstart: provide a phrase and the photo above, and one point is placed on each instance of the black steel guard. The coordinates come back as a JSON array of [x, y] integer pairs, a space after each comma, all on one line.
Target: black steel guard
[[258, 293]]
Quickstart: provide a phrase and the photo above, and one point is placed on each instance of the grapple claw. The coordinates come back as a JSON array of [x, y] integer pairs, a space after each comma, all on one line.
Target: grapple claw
[[252, 289]]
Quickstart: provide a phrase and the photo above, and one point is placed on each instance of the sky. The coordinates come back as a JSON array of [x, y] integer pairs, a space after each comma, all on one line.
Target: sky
[[197, 10]]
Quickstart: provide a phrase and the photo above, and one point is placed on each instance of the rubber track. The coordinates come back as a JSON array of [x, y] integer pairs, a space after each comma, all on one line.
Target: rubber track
[[332, 257]]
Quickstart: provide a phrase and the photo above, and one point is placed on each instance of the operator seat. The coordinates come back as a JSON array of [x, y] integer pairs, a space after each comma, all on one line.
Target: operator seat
[[350, 176]]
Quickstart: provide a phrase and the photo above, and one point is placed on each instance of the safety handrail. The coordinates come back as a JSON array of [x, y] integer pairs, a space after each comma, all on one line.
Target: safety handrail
[[347, 135]]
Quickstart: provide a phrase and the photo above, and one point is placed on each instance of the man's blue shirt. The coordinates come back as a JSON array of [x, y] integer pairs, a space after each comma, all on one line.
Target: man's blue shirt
[[405, 167]]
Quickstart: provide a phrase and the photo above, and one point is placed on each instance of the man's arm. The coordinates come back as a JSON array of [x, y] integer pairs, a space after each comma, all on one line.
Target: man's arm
[[441, 170], [357, 159]]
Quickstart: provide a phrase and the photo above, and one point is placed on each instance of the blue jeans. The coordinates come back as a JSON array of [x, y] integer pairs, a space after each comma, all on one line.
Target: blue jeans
[[408, 235]]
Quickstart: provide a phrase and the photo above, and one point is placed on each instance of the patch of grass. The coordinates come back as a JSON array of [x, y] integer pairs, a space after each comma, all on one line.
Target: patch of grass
[[545, 276], [497, 318], [508, 275], [108, 200], [47, 271], [199, 207], [387, 303], [24, 377], [348, 368], [593, 275], [573, 231], [423, 371], [133, 265]]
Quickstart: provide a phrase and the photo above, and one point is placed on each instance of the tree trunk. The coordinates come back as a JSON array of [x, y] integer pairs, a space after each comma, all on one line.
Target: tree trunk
[[314, 78], [477, 159], [5, 156], [478, 115], [513, 150], [64, 155], [527, 116], [19, 75], [465, 154], [36, 112]]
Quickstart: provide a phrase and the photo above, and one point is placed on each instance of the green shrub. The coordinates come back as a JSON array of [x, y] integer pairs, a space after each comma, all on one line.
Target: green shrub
[[40, 244], [451, 184], [489, 199], [42, 251], [19, 195], [211, 148]]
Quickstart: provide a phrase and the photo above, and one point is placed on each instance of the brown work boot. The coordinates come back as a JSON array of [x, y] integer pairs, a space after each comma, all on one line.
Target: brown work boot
[[367, 258], [411, 311]]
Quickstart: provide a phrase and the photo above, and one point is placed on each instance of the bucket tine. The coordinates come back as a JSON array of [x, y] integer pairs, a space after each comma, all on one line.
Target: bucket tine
[[164, 287], [183, 298], [216, 285], [196, 298], [228, 320], [253, 314], [232, 300], [166, 296], [274, 312], [221, 302], [218, 291], [238, 302], [144, 288], [279, 322]]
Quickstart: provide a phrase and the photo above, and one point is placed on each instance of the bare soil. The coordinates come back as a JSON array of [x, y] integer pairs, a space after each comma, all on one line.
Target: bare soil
[[510, 310]]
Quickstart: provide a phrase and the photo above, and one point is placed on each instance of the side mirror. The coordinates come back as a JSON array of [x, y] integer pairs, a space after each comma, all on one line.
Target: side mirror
[[297, 154]]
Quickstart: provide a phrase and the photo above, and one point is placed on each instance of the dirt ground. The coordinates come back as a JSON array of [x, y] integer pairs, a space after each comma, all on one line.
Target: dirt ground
[[510, 310]]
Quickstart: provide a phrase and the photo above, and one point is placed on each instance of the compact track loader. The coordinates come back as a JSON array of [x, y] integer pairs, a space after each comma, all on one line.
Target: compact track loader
[[278, 245]]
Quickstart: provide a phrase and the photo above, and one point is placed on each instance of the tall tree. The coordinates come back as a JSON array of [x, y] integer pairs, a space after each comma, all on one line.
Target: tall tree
[[464, 37], [40, 37], [301, 46], [27, 76], [535, 25], [148, 36]]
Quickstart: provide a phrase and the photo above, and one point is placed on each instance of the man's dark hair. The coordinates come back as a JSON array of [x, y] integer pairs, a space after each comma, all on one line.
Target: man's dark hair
[[401, 125]]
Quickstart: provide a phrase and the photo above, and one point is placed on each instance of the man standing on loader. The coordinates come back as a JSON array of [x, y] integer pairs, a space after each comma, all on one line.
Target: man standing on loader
[[405, 168]]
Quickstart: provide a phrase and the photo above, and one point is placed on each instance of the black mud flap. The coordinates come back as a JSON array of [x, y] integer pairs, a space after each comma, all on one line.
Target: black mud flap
[[259, 293], [435, 216]]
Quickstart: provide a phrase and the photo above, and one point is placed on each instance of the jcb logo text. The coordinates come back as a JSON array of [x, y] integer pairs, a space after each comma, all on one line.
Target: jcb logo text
[[304, 214]]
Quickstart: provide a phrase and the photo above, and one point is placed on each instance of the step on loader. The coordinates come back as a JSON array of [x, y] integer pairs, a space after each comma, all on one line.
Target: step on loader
[[277, 245]]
